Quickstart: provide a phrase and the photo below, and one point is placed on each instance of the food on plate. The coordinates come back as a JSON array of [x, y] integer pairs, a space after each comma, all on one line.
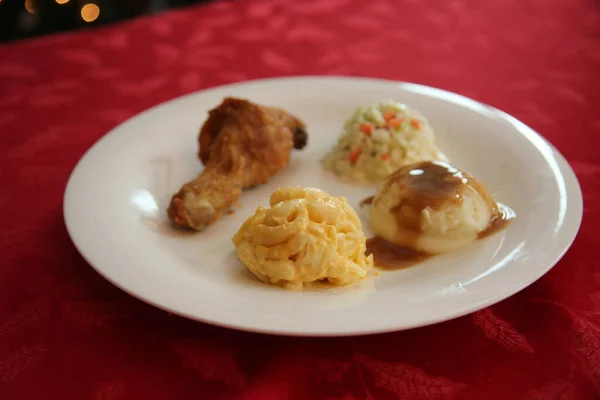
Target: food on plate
[[431, 207], [305, 236], [242, 144], [379, 139]]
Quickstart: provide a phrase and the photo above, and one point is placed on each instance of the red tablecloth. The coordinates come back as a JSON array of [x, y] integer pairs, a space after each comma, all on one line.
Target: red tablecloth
[[66, 333]]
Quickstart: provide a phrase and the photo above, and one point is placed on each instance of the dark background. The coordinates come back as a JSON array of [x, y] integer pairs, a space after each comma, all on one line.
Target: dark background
[[21, 19]]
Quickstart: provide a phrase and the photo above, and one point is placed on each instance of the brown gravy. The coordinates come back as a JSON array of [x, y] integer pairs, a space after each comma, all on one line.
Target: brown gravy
[[367, 201], [500, 220], [389, 256]]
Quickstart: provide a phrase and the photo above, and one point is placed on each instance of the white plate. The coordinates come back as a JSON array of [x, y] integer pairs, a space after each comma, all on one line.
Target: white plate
[[115, 203]]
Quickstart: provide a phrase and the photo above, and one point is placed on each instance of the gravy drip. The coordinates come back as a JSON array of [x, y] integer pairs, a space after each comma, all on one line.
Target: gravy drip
[[368, 201], [499, 221], [389, 256]]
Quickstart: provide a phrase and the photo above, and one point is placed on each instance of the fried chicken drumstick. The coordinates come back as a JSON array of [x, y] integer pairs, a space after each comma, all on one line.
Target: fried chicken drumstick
[[242, 144]]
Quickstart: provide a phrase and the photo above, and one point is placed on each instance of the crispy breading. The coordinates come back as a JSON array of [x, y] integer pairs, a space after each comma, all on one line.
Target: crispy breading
[[242, 144]]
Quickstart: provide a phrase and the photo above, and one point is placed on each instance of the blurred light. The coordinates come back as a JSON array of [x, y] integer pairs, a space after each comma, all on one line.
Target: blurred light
[[30, 6], [27, 21], [90, 12], [60, 1]]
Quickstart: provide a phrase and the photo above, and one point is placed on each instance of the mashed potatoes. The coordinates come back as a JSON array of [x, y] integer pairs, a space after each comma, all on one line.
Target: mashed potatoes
[[379, 139], [306, 236], [432, 207]]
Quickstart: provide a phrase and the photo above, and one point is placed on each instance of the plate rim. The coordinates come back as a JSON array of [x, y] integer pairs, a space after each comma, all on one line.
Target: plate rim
[[565, 169]]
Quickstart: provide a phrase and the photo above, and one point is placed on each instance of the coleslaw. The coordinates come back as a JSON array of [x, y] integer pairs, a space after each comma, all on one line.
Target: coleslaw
[[377, 140]]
